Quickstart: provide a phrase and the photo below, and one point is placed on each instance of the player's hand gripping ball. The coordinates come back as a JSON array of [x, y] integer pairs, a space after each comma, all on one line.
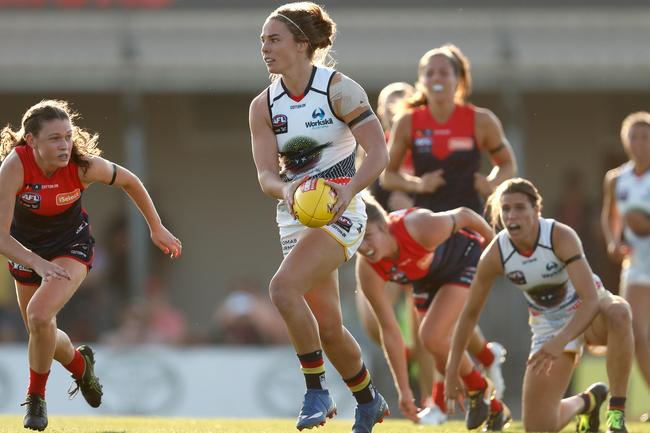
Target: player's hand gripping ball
[[313, 202]]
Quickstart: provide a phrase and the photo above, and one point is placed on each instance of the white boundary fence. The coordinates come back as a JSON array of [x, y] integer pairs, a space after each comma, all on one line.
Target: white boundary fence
[[187, 382]]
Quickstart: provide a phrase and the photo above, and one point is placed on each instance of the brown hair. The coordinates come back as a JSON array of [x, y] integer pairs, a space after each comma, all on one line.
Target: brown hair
[[399, 89], [641, 118], [461, 67], [375, 212], [510, 186], [309, 22], [83, 142]]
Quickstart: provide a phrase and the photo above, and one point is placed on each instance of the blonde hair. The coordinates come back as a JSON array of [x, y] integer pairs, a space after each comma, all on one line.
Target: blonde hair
[[399, 89], [510, 186], [460, 64], [641, 118], [309, 22], [83, 142]]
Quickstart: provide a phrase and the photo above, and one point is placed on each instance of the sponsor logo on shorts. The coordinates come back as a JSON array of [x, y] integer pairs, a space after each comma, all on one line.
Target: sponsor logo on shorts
[[280, 124], [80, 250], [82, 226], [288, 244], [30, 200], [345, 223], [65, 198], [18, 267]]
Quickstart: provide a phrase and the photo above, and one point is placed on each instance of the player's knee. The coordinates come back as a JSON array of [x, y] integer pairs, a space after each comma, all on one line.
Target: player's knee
[[619, 317], [281, 292], [38, 320], [434, 341]]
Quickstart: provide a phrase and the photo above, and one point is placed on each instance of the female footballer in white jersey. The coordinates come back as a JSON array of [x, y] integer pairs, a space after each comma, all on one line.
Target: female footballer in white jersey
[[626, 225], [568, 307], [307, 124]]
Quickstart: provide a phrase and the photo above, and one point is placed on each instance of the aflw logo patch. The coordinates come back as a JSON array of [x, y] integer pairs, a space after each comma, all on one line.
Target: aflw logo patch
[[66, 198], [30, 200]]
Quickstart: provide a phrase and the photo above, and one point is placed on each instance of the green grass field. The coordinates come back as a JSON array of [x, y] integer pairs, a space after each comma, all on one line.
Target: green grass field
[[184, 425]]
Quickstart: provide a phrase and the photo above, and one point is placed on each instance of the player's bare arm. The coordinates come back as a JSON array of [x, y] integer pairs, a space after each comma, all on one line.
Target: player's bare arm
[[492, 139], [568, 248], [489, 267], [264, 147], [392, 342], [103, 171], [350, 104], [398, 144]]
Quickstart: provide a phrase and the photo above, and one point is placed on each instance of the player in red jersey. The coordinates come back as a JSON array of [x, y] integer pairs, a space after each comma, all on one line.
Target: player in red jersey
[[446, 136], [45, 234], [434, 253]]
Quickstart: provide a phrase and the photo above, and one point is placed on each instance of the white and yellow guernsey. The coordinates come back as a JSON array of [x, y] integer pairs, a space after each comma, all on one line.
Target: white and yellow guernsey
[[313, 141], [633, 193], [543, 278]]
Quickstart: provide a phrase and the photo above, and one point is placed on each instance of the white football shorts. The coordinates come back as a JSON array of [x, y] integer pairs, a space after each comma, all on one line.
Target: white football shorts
[[348, 231]]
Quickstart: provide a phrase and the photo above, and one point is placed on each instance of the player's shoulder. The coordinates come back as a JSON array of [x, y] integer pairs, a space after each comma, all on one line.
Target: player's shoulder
[[491, 257], [485, 116], [11, 170], [12, 162], [341, 84], [563, 234], [418, 214], [259, 107], [261, 100], [613, 174]]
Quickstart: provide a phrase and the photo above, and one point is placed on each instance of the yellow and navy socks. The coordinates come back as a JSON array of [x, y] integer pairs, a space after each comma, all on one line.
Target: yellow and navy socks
[[361, 386], [313, 367]]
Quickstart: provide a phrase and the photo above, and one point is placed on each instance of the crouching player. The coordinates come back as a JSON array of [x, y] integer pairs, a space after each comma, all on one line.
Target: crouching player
[[568, 307]]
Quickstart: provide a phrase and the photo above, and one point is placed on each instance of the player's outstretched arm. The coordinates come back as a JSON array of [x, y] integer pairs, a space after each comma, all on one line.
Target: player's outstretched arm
[[489, 267], [392, 342], [109, 173], [568, 249]]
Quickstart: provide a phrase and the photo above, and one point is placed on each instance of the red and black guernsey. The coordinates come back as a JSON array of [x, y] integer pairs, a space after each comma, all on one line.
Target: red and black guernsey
[[48, 217], [450, 146], [453, 262]]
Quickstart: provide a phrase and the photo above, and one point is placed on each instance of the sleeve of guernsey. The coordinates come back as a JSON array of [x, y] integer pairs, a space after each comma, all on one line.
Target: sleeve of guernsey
[[350, 101]]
